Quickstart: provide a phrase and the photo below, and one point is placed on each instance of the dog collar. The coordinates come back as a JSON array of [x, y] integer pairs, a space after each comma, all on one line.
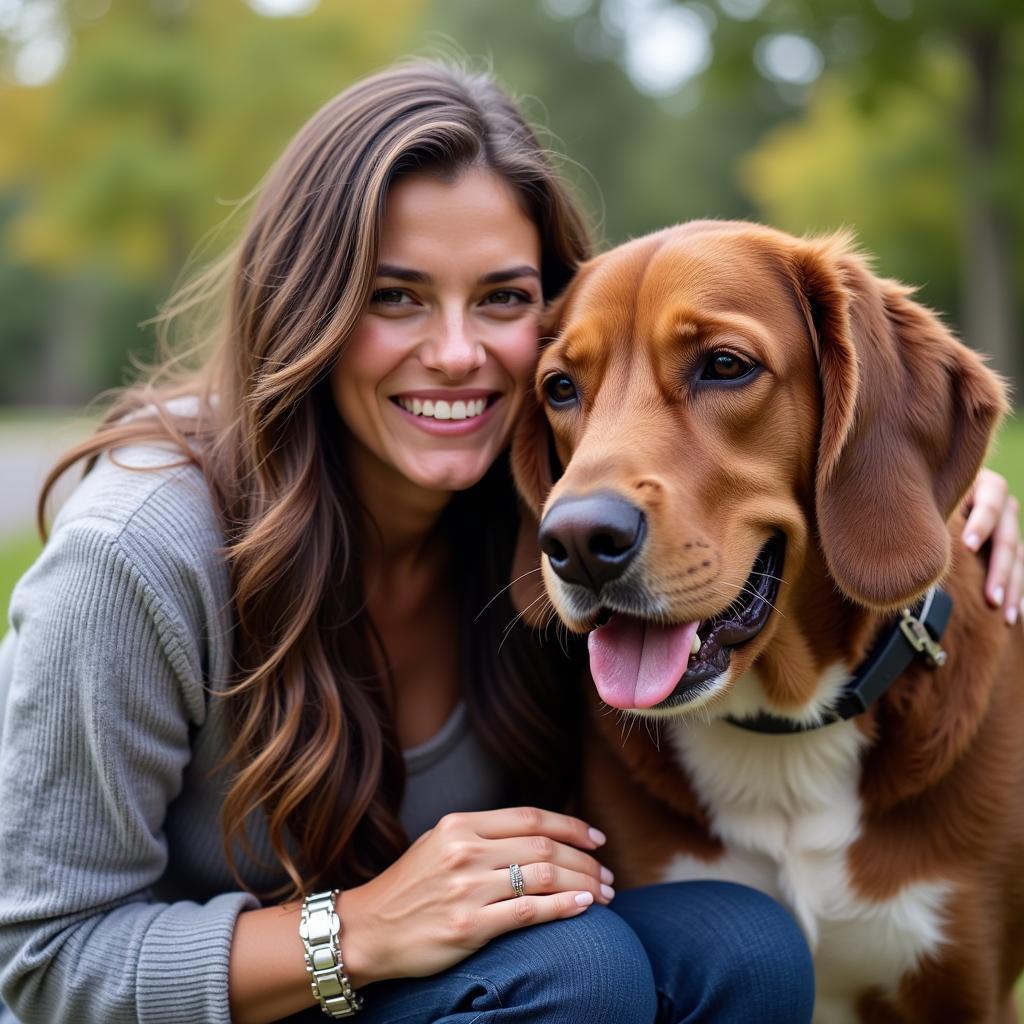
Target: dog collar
[[915, 634]]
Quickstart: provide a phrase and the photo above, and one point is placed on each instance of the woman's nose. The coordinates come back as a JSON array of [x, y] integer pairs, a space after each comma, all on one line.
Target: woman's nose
[[452, 349]]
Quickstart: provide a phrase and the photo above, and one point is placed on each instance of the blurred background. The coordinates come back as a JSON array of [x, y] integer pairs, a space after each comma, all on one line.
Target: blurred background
[[130, 131]]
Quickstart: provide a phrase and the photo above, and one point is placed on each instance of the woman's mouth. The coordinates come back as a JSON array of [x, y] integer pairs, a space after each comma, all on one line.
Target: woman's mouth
[[447, 415], [440, 409]]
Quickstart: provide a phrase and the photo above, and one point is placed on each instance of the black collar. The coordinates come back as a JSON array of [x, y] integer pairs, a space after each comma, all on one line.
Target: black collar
[[917, 632]]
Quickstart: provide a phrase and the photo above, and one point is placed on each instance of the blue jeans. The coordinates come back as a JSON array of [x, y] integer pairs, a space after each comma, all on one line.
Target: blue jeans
[[673, 953]]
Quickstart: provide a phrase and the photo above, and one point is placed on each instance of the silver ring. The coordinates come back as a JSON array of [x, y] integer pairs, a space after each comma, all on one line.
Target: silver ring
[[515, 875]]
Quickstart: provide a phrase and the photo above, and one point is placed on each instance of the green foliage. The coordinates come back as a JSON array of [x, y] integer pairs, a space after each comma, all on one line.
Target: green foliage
[[889, 174], [167, 114]]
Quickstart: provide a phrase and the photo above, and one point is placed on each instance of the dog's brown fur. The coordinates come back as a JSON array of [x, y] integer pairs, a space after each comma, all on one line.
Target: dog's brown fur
[[858, 440]]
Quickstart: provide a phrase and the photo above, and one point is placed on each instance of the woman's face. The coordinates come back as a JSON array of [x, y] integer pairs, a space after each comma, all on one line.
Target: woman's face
[[434, 373]]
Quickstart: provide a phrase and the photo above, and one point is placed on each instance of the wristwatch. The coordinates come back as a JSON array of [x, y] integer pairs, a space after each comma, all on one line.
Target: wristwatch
[[319, 928]]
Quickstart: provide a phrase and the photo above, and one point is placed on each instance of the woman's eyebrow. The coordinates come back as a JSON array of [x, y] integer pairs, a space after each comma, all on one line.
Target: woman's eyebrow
[[403, 273], [497, 276], [419, 277]]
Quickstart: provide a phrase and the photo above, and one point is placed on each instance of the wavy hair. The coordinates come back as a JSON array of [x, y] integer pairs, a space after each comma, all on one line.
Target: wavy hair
[[313, 742]]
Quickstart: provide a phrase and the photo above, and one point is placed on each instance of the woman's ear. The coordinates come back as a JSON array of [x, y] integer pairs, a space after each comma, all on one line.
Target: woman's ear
[[908, 413]]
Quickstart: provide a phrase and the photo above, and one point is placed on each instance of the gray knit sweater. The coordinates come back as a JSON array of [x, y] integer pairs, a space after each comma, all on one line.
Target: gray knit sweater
[[116, 901]]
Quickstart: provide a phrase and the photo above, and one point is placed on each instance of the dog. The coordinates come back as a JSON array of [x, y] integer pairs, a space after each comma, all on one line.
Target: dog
[[747, 457]]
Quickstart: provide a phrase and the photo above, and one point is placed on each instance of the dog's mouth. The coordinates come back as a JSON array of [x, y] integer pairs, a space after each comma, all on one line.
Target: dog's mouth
[[641, 663]]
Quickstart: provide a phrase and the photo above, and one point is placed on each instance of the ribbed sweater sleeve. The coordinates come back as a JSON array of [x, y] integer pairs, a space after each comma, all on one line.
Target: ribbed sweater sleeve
[[106, 691]]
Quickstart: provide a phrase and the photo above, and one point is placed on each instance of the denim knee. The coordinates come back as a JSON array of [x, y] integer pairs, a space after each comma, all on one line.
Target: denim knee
[[722, 952], [767, 952], [591, 968]]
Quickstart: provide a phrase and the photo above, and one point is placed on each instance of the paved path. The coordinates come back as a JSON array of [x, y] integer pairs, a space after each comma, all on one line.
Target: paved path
[[29, 446]]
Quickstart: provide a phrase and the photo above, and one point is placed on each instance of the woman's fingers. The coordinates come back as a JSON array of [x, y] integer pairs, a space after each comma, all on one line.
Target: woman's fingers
[[986, 503], [1005, 552], [544, 878], [505, 915], [994, 513], [532, 821], [544, 850], [1015, 589]]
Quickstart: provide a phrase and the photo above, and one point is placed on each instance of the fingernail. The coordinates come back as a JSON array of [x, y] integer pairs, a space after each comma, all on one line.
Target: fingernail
[[972, 541], [597, 836], [607, 876], [997, 595], [1011, 615], [584, 899], [607, 892]]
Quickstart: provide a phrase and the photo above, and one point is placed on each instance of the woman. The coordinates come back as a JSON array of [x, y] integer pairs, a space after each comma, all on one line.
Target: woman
[[261, 670]]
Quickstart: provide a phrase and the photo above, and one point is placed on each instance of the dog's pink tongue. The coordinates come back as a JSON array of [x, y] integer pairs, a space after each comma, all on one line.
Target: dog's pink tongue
[[636, 664]]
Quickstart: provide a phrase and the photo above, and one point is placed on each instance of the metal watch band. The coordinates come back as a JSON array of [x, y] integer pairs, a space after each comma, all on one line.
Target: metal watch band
[[319, 927]]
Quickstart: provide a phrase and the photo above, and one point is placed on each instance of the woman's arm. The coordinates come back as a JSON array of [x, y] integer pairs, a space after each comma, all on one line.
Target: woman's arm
[[104, 692]]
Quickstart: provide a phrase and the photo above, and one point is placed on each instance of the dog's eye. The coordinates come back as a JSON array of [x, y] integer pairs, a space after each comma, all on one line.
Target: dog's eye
[[725, 366], [560, 389]]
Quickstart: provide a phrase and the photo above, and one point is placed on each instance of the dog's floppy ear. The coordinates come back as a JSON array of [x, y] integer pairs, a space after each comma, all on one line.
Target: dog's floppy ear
[[535, 468], [907, 416]]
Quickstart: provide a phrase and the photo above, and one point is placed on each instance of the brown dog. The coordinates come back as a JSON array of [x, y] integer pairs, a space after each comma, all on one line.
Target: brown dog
[[747, 458]]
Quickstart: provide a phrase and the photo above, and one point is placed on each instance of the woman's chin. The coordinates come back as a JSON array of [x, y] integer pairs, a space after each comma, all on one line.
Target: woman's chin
[[450, 473]]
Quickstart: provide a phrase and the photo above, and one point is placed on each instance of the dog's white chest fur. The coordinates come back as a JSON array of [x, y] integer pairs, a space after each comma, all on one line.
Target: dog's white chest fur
[[787, 810]]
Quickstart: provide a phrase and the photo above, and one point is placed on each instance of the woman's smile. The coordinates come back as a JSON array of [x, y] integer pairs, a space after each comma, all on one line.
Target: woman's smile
[[448, 413]]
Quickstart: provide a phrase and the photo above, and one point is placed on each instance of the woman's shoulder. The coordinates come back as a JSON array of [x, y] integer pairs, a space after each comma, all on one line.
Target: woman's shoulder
[[142, 490], [141, 512]]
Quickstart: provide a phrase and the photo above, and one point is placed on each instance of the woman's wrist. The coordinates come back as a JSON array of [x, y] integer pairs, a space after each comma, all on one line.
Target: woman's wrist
[[364, 963]]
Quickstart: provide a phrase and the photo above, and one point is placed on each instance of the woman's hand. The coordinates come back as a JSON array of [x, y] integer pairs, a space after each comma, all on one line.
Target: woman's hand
[[994, 512], [450, 892]]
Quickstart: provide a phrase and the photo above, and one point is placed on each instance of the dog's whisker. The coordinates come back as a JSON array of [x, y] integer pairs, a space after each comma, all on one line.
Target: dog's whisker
[[521, 576], [516, 619]]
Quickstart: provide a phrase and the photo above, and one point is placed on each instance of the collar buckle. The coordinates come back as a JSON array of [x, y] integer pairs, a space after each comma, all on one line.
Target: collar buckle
[[921, 640]]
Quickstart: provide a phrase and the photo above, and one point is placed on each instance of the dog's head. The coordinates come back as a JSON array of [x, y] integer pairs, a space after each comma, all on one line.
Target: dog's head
[[720, 407]]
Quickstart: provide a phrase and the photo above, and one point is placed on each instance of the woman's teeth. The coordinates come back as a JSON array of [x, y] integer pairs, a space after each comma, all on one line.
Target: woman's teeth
[[442, 410]]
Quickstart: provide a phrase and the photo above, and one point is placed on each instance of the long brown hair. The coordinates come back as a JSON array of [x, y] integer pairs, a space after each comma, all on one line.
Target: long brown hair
[[312, 721]]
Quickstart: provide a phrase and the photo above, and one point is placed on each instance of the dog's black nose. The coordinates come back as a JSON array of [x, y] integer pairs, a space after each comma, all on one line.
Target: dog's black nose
[[592, 540]]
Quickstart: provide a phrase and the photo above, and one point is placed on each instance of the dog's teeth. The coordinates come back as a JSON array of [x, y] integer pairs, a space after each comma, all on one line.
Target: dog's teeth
[[417, 406], [695, 646]]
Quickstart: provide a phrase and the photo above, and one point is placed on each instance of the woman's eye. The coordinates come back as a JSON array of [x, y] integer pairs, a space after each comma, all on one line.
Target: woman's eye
[[725, 366], [506, 297], [390, 297], [560, 390]]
